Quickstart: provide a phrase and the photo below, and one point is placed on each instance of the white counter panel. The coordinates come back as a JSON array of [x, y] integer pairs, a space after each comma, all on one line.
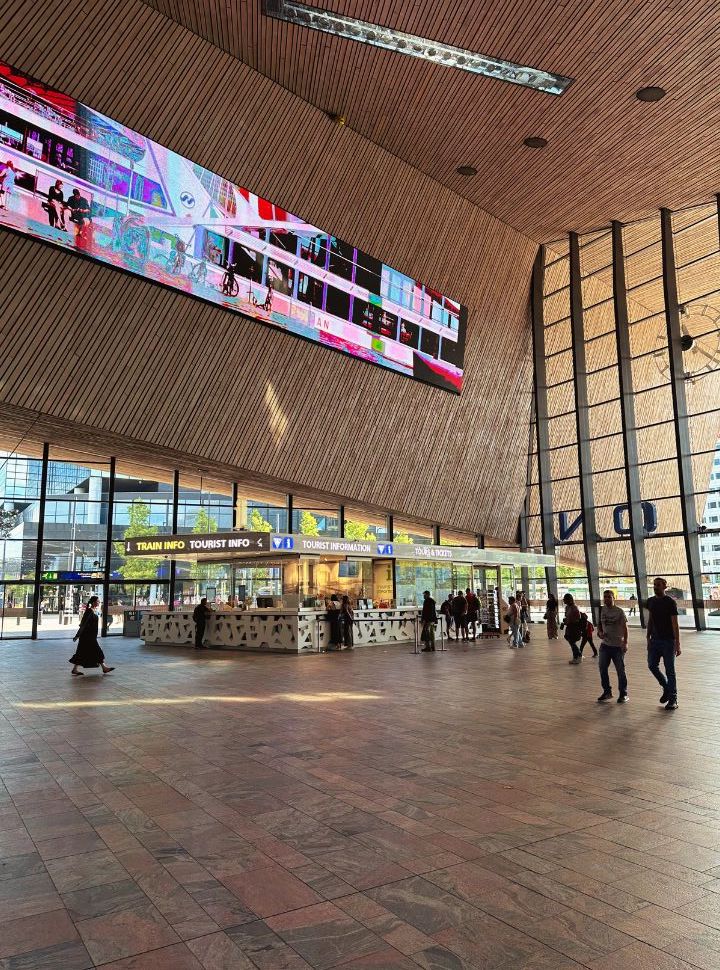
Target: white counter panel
[[288, 631]]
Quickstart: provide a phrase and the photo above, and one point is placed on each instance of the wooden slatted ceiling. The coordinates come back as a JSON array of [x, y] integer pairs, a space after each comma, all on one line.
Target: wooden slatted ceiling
[[609, 155], [94, 347]]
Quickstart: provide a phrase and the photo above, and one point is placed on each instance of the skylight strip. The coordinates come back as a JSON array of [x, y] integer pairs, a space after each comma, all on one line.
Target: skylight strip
[[428, 50]]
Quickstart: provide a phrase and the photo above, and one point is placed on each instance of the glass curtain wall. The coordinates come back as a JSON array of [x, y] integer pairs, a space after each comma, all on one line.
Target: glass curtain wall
[[624, 471]]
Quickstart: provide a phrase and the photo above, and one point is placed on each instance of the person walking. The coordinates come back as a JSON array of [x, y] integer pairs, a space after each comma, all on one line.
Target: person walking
[[347, 618], [473, 607], [200, 615], [587, 630], [459, 611], [513, 615], [663, 640], [633, 609], [446, 610], [88, 652], [428, 618], [572, 626], [613, 633], [522, 602], [551, 617]]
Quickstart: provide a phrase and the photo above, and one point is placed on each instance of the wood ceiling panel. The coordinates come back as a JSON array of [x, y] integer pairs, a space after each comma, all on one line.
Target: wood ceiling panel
[[609, 156], [152, 372]]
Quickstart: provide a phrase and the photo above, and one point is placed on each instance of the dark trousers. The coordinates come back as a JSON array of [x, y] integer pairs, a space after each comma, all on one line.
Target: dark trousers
[[199, 634], [572, 636], [663, 650], [587, 639], [616, 656]]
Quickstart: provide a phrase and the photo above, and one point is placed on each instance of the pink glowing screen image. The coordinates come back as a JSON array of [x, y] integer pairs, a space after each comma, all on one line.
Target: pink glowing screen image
[[77, 179]]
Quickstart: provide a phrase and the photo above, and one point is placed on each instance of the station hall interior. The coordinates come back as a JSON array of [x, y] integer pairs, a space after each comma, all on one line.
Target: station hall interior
[[359, 426]]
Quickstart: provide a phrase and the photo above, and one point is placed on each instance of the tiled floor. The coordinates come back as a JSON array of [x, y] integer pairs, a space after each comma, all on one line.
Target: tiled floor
[[473, 809]]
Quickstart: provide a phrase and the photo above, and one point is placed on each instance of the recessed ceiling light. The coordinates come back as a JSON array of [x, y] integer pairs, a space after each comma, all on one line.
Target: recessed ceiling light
[[467, 170], [650, 94], [535, 142], [429, 50]]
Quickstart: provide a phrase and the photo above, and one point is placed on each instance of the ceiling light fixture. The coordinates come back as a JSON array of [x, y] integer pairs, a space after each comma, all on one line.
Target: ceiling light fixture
[[650, 94], [466, 170], [428, 50], [535, 142]]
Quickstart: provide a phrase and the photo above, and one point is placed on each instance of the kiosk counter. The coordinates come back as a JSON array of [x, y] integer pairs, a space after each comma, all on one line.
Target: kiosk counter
[[277, 630]]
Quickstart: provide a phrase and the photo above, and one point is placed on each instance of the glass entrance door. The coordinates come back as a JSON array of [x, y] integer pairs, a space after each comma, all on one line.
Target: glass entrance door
[[60, 607]]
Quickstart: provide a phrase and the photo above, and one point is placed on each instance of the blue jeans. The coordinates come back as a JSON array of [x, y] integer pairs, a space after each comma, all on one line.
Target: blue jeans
[[613, 655], [663, 650], [516, 634]]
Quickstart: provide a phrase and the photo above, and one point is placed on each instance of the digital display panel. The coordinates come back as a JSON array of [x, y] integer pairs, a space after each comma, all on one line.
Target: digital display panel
[[73, 177]]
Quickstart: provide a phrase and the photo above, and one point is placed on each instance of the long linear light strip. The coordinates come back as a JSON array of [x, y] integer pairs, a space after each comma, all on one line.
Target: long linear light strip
[[428, 50]]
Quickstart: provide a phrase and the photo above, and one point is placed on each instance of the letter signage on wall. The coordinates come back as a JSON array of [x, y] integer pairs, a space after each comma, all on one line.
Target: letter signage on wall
[[570, 522]]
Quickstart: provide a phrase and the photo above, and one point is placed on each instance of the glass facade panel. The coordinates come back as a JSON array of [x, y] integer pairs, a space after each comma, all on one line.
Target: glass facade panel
[[654, 430]]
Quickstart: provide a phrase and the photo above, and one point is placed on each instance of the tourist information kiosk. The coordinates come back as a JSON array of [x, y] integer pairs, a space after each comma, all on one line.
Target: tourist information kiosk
[[278, 585]]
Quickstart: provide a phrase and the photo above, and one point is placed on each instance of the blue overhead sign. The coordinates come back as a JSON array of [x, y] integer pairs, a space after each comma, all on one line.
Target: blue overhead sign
[[282, 542], [385, 549]]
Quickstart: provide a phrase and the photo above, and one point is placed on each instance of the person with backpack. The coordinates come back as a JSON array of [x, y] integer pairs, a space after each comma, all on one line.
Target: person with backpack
[[587, 630], [572, 625]]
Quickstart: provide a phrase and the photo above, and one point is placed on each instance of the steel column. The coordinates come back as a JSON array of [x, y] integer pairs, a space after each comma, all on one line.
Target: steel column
[[542, 431], [108, 548], [682, 425], [174, 528], [582, 417], [436, 535], [341, 520], [40, 535], [289, 513], [627, 414], [234, 503]]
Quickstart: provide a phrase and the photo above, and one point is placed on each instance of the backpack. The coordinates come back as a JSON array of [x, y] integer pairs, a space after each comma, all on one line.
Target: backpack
[[583, 621]]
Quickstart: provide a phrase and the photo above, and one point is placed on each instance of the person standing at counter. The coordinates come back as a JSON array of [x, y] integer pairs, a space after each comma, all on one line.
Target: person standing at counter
[[333, 616], [446, 610], [347, 618], [429, 620], [460, 615], [473, 607], [200, 615]]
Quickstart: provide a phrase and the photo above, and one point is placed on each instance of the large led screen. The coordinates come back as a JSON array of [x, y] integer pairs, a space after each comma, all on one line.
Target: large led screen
[[77, 179]]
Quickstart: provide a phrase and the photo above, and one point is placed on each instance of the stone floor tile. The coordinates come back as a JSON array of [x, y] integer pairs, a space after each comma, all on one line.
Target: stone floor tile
[[128, 932], [324, 935], [177, 957], [268, 892], [60, 956], [266, 949], [27, 896], [32, 933], [426, 906], [86, 870], [639, 956]]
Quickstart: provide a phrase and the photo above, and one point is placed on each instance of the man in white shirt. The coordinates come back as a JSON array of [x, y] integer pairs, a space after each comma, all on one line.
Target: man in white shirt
[[613, 647]]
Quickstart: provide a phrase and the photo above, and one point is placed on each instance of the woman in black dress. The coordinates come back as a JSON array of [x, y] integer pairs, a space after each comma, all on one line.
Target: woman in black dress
[[88, 653]]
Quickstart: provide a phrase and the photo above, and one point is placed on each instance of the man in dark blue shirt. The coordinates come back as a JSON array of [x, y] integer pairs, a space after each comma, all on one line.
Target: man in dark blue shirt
[[663, 639]]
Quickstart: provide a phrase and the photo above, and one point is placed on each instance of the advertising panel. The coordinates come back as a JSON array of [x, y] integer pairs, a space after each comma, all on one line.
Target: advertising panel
[[77, 179]]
